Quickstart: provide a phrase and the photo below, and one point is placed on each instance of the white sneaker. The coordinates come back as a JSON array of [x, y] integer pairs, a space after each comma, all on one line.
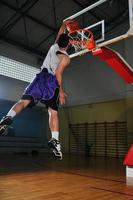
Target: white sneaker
[[4, 123], [56, 148]]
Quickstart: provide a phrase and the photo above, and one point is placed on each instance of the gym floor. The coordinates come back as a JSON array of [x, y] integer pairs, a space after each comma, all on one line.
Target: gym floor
[[39, 177]]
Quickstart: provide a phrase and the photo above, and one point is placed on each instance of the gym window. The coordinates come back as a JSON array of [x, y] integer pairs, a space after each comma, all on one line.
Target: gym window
[[17, 70]]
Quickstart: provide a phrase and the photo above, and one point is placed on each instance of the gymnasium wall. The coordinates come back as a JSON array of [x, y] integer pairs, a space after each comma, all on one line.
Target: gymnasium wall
[[103, 111], [100, 93], [89, 79], [30, 123], [110, 111], [129, 113], [89, 113], [95, 91], [11, 89]]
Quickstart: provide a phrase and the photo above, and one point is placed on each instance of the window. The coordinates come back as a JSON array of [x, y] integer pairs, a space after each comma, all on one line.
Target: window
[[17, 70]]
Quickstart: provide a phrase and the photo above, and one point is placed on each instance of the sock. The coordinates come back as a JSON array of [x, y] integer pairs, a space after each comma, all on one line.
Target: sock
[[55, 135], [11, 113]]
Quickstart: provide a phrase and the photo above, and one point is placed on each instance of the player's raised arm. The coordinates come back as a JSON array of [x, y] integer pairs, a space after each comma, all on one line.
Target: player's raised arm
[[61, 30], [64, 27], [64, 62]]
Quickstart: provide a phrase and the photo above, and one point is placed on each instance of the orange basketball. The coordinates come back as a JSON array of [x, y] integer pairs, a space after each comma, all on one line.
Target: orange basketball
[[72, 25]]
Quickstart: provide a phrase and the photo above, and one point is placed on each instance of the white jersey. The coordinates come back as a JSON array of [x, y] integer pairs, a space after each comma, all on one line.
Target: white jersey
[[51, 61]]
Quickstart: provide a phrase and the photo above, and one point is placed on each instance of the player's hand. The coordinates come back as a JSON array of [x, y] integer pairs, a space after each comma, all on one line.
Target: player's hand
[[67, 21], [62, 97]]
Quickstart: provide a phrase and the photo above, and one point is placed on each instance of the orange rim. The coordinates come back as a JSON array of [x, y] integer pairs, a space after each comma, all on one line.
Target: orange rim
[[86, 37]]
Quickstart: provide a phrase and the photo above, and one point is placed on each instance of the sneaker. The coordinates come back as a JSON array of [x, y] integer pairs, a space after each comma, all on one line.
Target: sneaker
[[56, 148], [4, 124]]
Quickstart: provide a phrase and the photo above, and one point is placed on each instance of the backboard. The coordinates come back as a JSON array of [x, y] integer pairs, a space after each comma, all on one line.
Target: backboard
[[109, 20]]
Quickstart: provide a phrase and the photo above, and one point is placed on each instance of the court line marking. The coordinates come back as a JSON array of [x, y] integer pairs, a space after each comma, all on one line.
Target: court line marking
[[86, 176], [93, 177], [122, 193]]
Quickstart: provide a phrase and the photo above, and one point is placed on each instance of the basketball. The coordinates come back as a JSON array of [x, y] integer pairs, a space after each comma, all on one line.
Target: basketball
[[72, 25]]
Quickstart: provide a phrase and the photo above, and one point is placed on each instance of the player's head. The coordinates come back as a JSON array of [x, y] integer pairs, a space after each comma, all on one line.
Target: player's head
[[63, 40]]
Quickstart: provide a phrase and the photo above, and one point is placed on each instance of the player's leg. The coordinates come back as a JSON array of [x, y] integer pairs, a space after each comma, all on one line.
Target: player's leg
[[54, 127], [52, 105], [17, 108], [54, 122], [30, 97]]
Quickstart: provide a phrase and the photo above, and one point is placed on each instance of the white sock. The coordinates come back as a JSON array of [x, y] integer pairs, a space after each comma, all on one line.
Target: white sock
[[55, 135], [11, 113]]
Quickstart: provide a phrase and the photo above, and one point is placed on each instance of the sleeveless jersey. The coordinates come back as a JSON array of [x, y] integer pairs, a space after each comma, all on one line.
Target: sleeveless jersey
[[51, 61]]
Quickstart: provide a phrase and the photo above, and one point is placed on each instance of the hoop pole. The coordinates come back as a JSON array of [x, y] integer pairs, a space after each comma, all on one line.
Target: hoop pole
[[130, 4], [86, 9]]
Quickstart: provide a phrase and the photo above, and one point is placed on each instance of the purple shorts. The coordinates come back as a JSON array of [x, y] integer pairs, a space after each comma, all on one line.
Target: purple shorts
[[42, 88]]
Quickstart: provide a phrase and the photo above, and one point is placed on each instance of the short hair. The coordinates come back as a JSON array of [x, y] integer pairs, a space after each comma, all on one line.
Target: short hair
[[63, 40]]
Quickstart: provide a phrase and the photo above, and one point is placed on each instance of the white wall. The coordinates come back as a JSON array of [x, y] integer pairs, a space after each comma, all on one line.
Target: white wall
[[88, 79], [11, 89], [128, 47]]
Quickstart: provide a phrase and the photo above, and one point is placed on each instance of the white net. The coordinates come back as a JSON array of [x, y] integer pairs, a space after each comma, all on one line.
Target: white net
[[80, 39]]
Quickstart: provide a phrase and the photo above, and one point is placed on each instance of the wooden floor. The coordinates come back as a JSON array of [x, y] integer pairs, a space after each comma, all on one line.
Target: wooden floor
[[26, 177]]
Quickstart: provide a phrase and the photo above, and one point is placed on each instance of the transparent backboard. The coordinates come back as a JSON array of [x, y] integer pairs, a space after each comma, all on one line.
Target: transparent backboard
[[109, 20]]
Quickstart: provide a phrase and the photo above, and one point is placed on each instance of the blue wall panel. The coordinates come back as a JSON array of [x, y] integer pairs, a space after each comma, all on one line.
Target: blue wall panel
[[31, 122]]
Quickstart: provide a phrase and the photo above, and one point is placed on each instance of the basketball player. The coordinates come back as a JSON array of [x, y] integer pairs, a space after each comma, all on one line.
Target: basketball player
[[46, 88]]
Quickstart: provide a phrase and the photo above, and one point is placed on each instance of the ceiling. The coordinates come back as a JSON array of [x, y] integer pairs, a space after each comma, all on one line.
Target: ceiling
[[33, 24]]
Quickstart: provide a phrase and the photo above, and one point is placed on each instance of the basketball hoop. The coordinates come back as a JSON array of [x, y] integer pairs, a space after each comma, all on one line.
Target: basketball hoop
[[82, 39]]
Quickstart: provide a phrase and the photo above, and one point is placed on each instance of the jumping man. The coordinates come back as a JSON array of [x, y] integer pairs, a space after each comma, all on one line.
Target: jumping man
[[46, 88]]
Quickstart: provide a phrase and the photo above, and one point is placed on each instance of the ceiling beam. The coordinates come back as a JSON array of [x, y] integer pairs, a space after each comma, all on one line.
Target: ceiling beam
[[12, 18], [78, 3], [19, 11], [44, 40], [10, 25], [84, 6], [24, 47], [55, 16]]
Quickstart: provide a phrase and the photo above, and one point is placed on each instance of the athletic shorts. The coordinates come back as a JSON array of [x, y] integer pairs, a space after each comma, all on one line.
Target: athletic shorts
[[44, 88]]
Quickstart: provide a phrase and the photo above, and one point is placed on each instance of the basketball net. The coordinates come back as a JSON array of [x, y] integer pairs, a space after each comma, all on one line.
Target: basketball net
[[80, 38]]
